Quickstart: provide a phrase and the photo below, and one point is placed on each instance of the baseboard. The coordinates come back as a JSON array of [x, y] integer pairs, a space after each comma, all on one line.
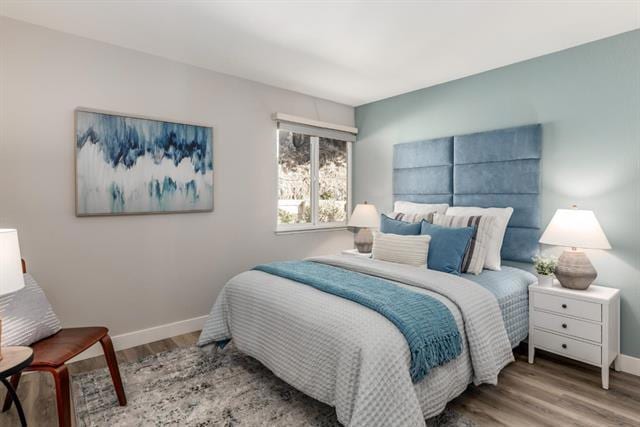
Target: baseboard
[[630, 364], [145, 336]]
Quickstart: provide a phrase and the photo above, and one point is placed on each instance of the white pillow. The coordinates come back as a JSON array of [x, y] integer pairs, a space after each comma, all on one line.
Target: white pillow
[[419, 208], [26, 315], [411, 250], [412, 217], [502, 215]]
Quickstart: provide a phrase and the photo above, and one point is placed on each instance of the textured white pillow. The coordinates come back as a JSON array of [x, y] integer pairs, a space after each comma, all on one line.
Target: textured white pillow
[[419, 208], [502, 216], [26, 315], [410, 250]]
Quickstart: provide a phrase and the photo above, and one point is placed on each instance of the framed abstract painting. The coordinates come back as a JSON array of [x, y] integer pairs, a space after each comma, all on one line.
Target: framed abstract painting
[[127, 165]]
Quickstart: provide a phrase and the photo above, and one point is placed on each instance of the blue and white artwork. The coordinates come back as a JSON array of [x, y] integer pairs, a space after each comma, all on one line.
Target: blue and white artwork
[[129, 165]]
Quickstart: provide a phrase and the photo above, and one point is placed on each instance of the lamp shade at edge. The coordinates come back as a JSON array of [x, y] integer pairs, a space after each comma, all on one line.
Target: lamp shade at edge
[[11, 277]]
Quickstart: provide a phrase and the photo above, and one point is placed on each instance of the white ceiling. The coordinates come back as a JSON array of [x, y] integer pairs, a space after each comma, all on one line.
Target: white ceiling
[[352, 52]]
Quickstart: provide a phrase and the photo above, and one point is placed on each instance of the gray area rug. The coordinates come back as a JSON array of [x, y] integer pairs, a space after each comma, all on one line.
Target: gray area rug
[[204, 387]]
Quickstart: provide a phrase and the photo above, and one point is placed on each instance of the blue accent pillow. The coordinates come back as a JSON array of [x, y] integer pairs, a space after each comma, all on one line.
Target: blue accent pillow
[[394, 226], [447, 246]]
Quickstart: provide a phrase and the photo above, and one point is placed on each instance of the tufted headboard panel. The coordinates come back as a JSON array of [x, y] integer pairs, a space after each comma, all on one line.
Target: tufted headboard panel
[[497, 168]]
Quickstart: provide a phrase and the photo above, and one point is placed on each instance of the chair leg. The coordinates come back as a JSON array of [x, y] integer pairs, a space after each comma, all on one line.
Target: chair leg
[[63, 395], [112, 362], [15, 380]]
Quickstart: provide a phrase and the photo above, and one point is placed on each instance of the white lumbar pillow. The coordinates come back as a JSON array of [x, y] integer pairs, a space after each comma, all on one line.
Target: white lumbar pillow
[[502, 215], [419, 208], [411, 250]]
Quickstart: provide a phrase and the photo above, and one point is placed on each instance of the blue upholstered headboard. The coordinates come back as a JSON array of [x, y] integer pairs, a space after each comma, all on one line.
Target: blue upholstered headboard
[[498, 168]]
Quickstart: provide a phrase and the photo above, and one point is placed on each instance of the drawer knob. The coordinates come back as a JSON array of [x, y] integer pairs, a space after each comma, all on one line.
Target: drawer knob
[[564, 326], [564, 305], [564, 346]]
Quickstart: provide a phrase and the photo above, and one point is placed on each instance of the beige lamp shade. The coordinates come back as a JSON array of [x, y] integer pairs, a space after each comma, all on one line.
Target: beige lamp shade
[[364, 215], [575, 228], [11, 278]]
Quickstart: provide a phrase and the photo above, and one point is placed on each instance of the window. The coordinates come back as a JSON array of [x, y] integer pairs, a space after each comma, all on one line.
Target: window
[[314, 177]]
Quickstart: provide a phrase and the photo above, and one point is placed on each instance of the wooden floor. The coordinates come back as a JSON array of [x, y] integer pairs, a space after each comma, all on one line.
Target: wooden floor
[[552, 392]]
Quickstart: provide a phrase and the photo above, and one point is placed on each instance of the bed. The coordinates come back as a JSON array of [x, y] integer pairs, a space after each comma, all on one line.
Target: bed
[[356, 360], [510, 287]]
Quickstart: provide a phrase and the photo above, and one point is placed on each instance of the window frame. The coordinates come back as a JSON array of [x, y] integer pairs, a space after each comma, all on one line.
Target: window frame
[[314, 193]]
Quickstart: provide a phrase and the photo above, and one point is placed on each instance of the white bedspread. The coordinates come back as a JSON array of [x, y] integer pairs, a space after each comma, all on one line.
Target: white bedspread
[[351, 357]]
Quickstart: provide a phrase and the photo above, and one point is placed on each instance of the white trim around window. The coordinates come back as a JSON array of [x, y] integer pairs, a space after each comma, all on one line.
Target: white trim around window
[[282, 117]]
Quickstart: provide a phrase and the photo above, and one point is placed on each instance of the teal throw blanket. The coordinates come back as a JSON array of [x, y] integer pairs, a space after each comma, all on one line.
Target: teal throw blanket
[[426, 323]]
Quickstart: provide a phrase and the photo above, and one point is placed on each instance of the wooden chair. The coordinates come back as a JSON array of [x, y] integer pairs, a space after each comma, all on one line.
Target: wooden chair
[[51, 354]]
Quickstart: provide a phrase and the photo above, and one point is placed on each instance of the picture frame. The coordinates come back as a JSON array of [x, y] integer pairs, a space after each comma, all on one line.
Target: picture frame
[[128, 164]]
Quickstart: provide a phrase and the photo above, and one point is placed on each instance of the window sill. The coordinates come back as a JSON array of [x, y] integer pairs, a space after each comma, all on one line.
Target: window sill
[[310, 229]]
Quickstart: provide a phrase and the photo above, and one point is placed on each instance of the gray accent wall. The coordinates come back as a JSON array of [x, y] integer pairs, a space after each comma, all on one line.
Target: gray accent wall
[[588, 101], [137, 272]]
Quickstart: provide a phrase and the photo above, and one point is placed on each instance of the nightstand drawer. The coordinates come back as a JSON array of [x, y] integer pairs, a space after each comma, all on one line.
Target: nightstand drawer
[[571, 307], [566, 346], [568, 326]]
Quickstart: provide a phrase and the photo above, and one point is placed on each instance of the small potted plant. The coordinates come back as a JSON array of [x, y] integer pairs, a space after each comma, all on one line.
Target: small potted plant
[[545, 266]]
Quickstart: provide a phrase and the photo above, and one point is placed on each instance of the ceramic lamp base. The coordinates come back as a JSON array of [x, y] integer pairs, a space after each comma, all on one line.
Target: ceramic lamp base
[[575, 271], [364, 240]]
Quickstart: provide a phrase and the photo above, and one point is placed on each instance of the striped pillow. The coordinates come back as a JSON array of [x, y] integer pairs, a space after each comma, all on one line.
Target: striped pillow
[[412, 217], [476, 254], [411, 250], [26, 315]]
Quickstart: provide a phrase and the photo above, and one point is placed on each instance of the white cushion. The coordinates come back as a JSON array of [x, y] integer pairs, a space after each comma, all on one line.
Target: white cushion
[[419, 208], [411, 250], [502, 215], [26, 315]]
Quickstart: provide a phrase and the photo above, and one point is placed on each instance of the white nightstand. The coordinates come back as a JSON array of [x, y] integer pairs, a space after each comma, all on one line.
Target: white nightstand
[[581, 325], [356, 253]]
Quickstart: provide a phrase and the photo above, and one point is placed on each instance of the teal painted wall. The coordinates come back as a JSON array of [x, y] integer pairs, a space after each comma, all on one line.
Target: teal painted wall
[[588, 100]]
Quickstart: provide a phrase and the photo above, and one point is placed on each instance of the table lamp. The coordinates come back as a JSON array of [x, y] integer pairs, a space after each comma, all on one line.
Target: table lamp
[[11, 278], [575, 228], [364, 216]]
